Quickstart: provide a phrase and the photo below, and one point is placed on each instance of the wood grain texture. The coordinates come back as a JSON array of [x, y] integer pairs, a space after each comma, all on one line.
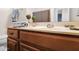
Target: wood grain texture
[[13, 40], [54, 42], [12, 33], [12, 45], [26, 40]]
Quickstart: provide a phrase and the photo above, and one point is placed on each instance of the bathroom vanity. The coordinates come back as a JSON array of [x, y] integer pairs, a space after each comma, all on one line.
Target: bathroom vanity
[[30, 39], [46, 39]]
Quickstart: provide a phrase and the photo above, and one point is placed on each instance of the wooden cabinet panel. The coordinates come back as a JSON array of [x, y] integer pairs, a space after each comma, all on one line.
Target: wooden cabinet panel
[[12, 45], [13, 33], [26, 40], [24, 47], [54, 42], [13, 39]]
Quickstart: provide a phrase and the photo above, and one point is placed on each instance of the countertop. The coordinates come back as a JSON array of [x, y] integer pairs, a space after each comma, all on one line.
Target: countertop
[[59, 30]]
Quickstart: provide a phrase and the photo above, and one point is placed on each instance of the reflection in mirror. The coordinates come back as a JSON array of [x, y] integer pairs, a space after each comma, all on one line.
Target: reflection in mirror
[[66, 14], [41, 16], [56, 15], [61, 14], [74, 14], [15, 15]]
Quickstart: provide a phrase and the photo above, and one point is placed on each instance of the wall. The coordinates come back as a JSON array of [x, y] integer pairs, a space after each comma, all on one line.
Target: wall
[[4, 14], [73, 14]]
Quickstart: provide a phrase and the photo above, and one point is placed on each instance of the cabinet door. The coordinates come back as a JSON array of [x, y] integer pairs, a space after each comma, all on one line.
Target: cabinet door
[[52, 42], [24, 47], [12, 45], [13, 33]]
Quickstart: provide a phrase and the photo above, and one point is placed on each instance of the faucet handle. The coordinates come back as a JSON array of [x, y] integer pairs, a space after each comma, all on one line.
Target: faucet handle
[[49, 25], [66, 25], [71, 25]]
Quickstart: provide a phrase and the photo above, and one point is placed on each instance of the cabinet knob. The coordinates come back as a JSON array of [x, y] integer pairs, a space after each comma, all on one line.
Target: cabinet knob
[[11, 33]]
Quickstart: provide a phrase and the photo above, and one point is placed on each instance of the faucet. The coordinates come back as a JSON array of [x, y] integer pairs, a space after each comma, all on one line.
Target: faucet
[[70, 26], [66, 25], [50, 25]]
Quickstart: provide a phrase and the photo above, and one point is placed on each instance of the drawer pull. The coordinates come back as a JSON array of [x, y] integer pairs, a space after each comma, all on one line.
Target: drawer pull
[[11, 33]]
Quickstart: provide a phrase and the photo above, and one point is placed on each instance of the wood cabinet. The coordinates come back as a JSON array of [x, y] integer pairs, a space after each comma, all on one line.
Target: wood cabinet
[[26, 47], [12, 40], [40, 41], [12, 45], [35, 40], [45, 41], [12, 33]]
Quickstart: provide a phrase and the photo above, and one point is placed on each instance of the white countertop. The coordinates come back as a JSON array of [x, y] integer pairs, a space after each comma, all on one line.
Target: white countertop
[[61, 30]]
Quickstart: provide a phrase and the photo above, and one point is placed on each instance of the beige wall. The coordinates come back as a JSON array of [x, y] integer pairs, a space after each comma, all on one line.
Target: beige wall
[[4, 14], [73, 14]]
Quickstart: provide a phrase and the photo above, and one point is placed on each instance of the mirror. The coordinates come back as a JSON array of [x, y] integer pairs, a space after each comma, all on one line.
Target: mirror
[[15, 15], [55, 14], [66, 14], [41, 16], [61, 14], [74, 14], [52, 14]]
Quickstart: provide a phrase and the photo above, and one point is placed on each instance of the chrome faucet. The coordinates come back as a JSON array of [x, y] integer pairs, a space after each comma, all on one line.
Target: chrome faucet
[[70, 26], [50, 25]]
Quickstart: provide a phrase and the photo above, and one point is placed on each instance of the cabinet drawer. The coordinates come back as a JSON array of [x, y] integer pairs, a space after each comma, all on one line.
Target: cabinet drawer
[[13, 33], [24, 47], [12, 44], [53, 42]]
